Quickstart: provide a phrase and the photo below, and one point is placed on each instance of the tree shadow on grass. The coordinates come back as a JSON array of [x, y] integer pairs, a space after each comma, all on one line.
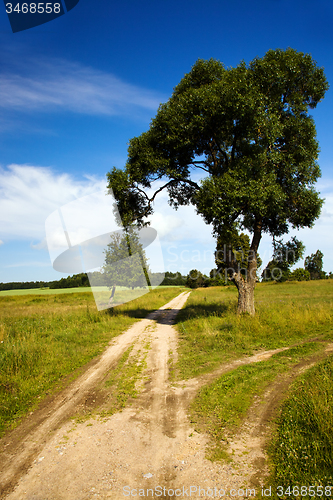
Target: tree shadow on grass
[[136, 312], [204, 311]]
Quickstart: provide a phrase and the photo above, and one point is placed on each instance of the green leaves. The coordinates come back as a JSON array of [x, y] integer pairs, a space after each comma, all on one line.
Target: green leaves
[[125, 260], [314, 264]]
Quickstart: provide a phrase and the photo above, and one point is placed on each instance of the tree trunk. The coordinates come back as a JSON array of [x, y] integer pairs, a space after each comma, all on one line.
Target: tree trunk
[[112, 295], [246, 298], [245, 285]]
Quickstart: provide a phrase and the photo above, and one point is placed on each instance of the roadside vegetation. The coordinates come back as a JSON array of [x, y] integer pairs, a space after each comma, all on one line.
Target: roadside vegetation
[[297, 315], [211, 333], [44, 339], [221, 406], [124, 380], [302, 449]]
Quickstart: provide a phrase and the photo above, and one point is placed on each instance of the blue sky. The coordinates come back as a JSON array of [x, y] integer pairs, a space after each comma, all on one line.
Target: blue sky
[[75, 90]]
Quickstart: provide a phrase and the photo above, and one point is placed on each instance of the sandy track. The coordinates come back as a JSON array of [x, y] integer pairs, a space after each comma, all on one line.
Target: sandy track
[[21, 446], [149, 446]]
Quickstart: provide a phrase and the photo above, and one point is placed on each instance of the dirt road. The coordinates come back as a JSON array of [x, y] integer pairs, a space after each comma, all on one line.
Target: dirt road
[[148, 450]]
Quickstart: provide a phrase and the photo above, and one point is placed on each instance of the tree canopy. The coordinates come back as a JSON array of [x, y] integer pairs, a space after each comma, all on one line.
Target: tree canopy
[[248, 131], [314, 264], [125, 261]]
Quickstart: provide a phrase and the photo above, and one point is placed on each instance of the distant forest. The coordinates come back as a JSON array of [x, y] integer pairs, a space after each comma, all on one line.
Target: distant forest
[[80, 280]]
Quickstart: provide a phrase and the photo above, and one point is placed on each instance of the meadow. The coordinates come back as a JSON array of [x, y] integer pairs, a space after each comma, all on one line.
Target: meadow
[[47, 338], [302, 448], [210, 332]]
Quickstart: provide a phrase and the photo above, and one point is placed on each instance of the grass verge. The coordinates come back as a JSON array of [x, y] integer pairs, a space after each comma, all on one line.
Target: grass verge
[[124, 380], [302, 448], [221, 406]]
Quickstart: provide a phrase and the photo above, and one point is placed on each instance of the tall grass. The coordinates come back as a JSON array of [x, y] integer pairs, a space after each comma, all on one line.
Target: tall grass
[[46, 338], [302, 450], [221, 406]]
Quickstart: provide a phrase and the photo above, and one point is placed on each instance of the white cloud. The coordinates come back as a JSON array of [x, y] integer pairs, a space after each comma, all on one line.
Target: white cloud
[[1, 242], [59, 84], [28, 195]]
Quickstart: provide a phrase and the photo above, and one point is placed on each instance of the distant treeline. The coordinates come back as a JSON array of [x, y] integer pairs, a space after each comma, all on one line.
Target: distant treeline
[[24, 285], [81, 280]]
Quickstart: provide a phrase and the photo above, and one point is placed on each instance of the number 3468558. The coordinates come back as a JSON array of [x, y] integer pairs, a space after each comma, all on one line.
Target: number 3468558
[[33, 8]]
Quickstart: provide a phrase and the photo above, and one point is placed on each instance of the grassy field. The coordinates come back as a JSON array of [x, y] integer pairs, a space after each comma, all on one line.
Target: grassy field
[[289, 314], [53, 291], [44, 338], [286, 313], [223, 405]]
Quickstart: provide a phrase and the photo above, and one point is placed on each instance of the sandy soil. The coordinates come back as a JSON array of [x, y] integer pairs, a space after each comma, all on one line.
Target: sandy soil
[[149, 449]]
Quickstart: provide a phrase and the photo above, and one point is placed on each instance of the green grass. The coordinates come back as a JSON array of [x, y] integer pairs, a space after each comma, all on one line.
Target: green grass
[[123, 380], [44, 291], [46, 338], [302, 449], [53, 291], [222, 405], [211, 333]]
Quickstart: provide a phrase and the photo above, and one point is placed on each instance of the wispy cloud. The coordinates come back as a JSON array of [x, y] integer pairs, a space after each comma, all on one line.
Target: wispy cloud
[[28, 195], [1, 242], [65, 86]]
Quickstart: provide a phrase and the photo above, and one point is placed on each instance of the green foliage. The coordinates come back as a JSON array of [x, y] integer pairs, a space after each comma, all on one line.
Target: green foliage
[[19, 285], [196, 279], [215, 278], [232, 253], [285, 255], [173, 279], [299, 274], [77, 280], [314, 264], [125, 260], [251, 126]]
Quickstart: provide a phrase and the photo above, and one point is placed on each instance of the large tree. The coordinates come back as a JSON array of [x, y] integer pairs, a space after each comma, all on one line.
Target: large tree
[[248, 130], [126, 263]]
